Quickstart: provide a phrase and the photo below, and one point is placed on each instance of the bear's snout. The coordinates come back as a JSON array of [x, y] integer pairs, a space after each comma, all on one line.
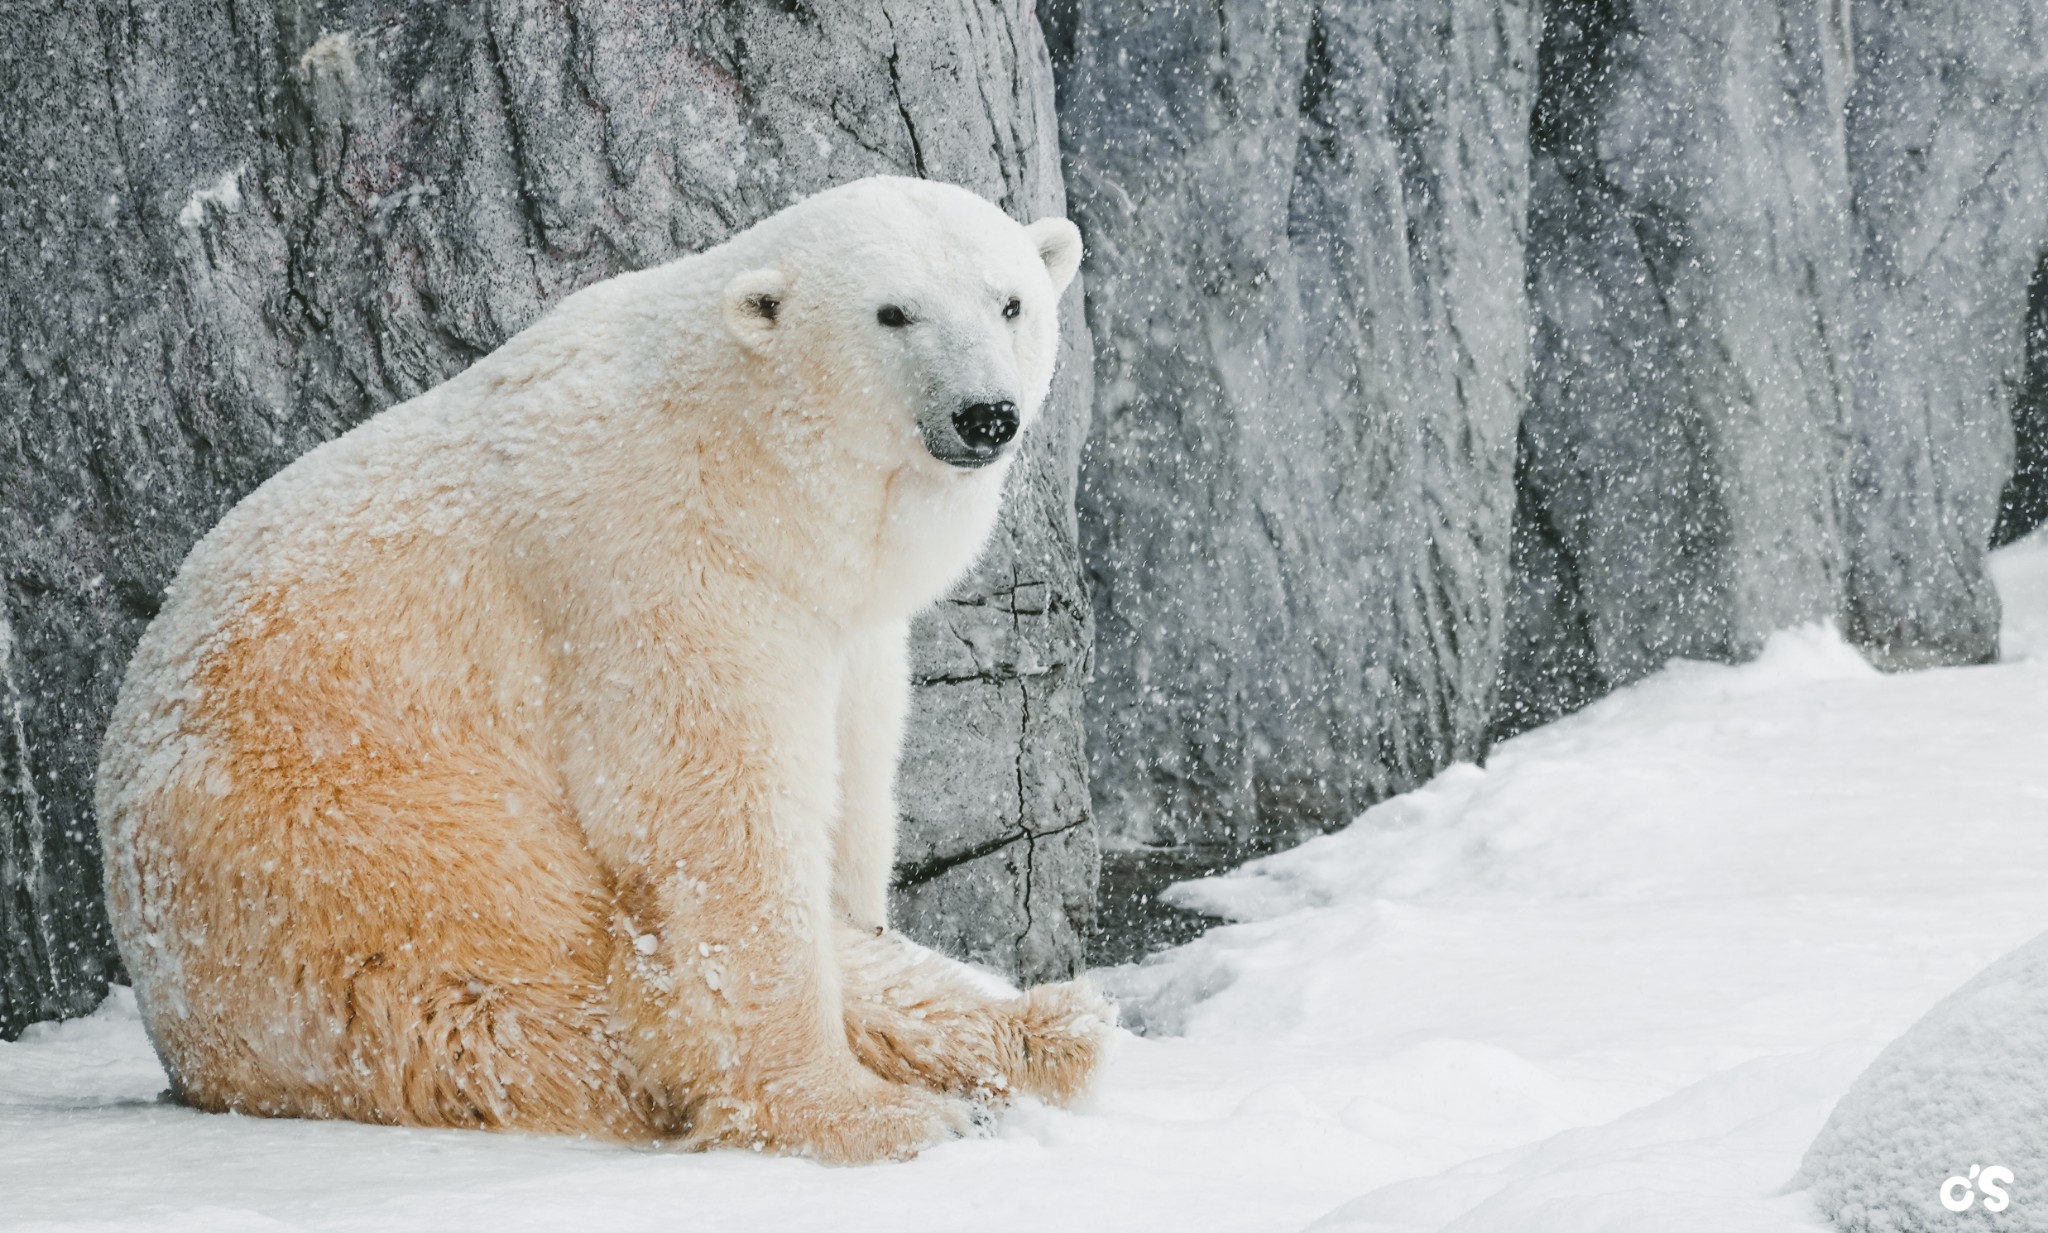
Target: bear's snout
[[984, 428]]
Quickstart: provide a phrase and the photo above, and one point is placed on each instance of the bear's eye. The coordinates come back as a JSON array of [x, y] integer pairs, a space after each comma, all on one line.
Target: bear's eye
[[892, 316], [1011, 309]]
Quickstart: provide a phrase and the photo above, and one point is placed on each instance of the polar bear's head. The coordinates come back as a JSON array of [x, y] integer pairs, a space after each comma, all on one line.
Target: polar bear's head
[[919, 318]]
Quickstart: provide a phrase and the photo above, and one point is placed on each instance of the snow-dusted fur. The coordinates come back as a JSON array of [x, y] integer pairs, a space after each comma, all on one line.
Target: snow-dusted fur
[[525, 757]]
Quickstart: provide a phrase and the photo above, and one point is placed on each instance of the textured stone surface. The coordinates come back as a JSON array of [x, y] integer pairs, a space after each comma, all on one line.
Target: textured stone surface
[[1780, 259], [1690, 258], [231, 229], [1948, 154], [1305, 225], [2023, 505]]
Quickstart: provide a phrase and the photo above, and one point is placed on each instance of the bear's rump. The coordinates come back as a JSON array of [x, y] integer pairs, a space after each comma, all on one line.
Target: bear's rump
[[379, 906]]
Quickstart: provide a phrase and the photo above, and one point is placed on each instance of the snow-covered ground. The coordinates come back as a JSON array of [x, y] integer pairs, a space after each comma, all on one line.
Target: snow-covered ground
[[1616, 980]]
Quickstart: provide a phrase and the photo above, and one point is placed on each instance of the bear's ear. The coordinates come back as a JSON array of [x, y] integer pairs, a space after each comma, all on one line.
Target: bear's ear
[[753, 306], [1059, 246]]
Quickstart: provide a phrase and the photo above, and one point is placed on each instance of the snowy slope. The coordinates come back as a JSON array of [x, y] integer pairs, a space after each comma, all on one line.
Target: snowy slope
[[1616, 980]]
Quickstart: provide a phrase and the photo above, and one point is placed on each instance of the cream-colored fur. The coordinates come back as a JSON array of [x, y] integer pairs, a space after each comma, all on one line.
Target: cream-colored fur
[[525, 758]]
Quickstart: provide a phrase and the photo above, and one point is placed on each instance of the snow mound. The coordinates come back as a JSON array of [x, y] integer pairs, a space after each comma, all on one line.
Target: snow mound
[[1964, 1091], [1629, 965], [2020, 569], [83, 1063], [1708, 1159]]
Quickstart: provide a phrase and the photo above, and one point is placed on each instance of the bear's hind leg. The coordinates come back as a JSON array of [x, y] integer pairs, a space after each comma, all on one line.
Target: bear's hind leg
[[913, 1016], [445, 1049]]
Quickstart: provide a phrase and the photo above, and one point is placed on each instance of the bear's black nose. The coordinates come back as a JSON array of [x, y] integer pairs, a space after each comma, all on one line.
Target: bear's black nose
[[986, 427]]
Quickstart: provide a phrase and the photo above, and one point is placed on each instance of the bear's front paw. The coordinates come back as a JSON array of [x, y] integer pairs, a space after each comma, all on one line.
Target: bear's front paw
[[1064, 1030], [840, 1120]]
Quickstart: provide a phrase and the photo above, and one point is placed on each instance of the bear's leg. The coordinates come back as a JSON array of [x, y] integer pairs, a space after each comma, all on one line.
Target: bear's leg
[[873, 702], [444, 1049], [916, 1017], [911, 1015], [702, 769]]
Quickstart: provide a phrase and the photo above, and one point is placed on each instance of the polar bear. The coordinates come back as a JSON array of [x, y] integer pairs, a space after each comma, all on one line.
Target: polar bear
[[524, 758]]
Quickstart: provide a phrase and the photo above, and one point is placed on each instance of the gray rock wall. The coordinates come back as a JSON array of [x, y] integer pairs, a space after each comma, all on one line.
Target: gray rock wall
[[1778, 255], [1305, 224], [1948, 156], [1686, 444], [2023, 505], [1780, 259], [230, 230]]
